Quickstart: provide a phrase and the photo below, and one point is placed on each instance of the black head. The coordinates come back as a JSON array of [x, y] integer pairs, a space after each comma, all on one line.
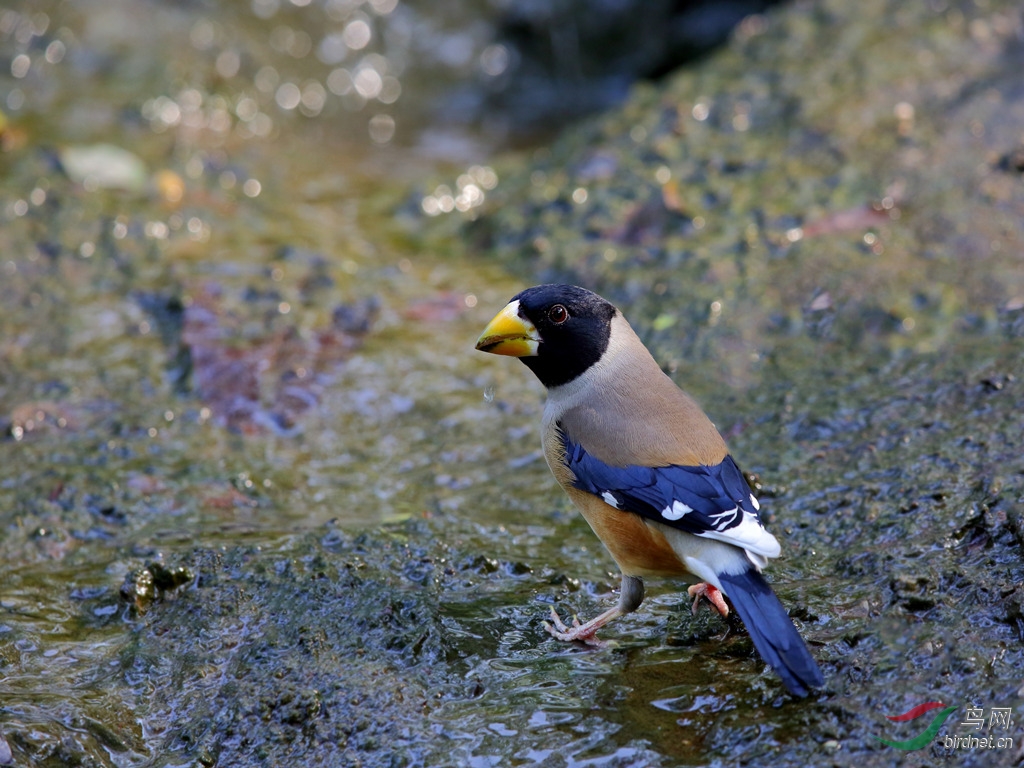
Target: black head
[[574, 326]]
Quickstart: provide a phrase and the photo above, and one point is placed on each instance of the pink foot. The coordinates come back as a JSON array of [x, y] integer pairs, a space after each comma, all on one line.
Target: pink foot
[[584, 633], [713, 595]]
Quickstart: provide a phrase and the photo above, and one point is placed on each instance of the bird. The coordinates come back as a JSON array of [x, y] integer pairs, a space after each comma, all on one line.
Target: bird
[[647, 469]]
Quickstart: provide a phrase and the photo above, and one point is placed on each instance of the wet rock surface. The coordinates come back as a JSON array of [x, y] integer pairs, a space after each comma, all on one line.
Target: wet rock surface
[[840, 245], [817, 231]]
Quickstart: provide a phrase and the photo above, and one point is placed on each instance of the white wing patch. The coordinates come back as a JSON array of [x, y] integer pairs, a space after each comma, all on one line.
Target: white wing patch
[[754, 502], [676, 511], [610, 499], [724, 519], [751, 536]]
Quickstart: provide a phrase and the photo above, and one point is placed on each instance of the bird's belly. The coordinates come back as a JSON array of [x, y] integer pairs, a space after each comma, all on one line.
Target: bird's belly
[[639, 547]]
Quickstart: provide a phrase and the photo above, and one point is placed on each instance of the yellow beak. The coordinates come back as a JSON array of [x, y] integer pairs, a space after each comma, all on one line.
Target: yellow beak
[[509, 334]]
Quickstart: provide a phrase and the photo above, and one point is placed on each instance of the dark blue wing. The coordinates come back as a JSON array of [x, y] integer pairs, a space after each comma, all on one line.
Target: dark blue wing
[[711, 501]]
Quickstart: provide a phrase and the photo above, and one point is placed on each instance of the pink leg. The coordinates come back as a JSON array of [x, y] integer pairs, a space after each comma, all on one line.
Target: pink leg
[[713, 595]]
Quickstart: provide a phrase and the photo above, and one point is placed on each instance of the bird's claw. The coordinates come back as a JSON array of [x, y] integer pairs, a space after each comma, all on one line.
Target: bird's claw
[[557, 625], [713, 596], [577, 632]]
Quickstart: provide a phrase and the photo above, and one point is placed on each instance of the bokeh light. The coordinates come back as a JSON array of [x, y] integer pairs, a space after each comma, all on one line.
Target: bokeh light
[[469, 193]]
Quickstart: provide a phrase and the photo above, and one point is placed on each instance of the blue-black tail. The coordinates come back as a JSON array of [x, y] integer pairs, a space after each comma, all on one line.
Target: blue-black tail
[[772, 631]]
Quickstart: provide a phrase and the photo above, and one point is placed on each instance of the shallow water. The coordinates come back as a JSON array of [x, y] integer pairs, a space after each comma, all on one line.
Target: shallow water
[[165, 198]]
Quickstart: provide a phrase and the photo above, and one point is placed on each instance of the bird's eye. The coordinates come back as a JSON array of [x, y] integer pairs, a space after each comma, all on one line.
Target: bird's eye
[[558, 314]]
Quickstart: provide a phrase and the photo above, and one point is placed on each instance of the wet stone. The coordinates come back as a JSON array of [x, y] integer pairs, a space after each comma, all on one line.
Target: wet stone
[[143, 587]]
